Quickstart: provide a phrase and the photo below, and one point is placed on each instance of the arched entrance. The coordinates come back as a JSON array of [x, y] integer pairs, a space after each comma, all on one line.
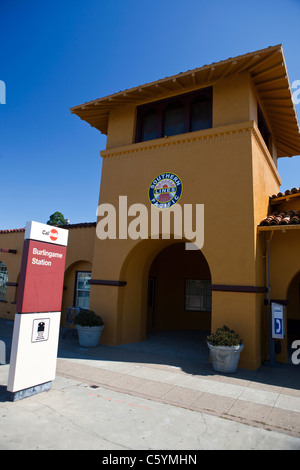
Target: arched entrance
[[179, 294], [167, 288], [293, 310], [76, 286]]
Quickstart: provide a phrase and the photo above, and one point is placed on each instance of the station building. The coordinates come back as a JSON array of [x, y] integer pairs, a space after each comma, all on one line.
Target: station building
[[78, 268], [220, 129]]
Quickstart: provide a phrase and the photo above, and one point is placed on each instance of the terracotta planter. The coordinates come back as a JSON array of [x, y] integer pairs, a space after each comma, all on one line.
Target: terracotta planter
[[225, 358], [89, 336]]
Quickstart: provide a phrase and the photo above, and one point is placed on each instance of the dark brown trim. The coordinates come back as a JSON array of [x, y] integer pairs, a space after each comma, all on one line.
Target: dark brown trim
[[8, 250], [233, 288], [12, 284], [103, 282], [277, 301]]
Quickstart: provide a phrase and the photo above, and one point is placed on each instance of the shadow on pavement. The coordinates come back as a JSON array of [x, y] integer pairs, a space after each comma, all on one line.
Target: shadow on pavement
[[186, 350]]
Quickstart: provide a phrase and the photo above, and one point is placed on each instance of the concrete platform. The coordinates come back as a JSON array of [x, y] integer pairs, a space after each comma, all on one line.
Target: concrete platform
[[158, 394]]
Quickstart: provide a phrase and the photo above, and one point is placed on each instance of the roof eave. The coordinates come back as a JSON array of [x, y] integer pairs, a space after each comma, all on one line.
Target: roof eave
[[269, 74]]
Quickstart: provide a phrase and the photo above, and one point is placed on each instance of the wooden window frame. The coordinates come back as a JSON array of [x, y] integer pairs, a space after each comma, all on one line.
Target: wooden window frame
[[160, 107], [75, 287]]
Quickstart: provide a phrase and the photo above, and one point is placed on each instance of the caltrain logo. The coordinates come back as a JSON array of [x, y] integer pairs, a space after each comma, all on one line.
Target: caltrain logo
[[165, 190], [53, 234]]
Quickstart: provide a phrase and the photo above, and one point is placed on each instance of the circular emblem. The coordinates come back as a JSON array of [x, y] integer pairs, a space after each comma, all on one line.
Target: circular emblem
[[165, 190], [53, 234]]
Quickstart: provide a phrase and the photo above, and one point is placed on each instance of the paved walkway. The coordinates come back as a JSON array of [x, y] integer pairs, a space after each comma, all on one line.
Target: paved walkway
[[172, 372], [268, 398]]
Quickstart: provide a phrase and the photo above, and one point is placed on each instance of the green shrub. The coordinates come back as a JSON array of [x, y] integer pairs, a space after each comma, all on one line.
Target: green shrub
[[88, 318], [224, 337]]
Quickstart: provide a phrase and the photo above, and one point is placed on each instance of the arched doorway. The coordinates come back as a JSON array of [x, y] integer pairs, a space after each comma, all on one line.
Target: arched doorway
[[293, 310], [179, 294], [76, 286], [179, 279]]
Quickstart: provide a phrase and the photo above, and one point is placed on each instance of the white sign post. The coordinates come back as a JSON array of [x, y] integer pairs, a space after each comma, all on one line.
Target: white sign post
[[37, 321]]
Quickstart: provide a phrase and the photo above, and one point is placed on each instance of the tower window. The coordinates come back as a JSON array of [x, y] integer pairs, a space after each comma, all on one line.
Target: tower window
[[263, 127], [178, 115]]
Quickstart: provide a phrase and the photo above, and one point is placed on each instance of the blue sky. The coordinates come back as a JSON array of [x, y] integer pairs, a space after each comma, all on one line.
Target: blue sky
[[58, 54]]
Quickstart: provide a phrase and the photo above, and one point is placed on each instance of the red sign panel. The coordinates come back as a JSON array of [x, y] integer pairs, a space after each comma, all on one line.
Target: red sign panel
[[41, 277]]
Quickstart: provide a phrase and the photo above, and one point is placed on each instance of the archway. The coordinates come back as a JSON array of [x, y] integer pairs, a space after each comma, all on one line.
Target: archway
[[76, 287], [180, 276], [293, 309], [179, 294]]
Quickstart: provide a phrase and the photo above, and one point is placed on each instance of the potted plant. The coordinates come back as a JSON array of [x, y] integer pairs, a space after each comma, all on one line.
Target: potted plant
[[225, 348], [89, 327]]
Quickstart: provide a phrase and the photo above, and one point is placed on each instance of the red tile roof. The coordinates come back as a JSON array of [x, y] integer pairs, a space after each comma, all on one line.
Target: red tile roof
[[282, 218], [288, 192], [14, 230], [80, 225], [69, 226]]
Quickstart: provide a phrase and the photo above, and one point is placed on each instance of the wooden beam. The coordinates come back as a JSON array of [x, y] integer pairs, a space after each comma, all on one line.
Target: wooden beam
[[210, 74], [275, 90], [277, 98], [228, 69], [193, 78], [104, 282], [282, 143], [237, 288], [270, 80], [177, 83], [288, 120], [268, 70], [247, 64], [278, 125], [281, 106], [264, 59]]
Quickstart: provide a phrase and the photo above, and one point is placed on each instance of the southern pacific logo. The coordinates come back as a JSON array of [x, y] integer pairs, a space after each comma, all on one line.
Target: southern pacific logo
[[52, 234]]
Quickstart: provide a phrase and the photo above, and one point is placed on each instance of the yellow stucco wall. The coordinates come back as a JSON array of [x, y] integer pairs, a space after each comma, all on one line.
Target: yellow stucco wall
[[13, 241], [234, 101], [284, 269], [79, 257], [229, 170]]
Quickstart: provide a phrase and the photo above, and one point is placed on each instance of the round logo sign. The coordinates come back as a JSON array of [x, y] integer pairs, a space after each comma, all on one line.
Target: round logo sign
[[53, 234], [165, 190]]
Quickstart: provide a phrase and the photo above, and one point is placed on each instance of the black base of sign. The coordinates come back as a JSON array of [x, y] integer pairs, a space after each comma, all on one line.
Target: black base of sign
[[28, 392]]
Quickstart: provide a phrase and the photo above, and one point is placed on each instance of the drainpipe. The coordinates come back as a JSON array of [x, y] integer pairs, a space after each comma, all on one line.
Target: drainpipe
[[271, 341]]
